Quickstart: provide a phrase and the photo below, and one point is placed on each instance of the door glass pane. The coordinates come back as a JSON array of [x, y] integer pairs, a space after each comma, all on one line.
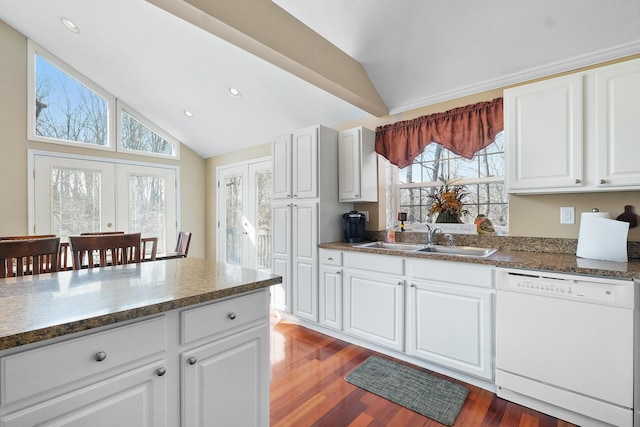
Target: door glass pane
[[75, 201], [147, 206], [263, 214], [234, 217]]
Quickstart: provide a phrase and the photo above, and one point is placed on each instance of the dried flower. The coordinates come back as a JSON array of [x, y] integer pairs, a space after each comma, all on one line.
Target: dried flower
[[448, 198]]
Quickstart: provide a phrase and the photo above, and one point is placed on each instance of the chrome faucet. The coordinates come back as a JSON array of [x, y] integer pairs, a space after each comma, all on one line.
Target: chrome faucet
[[449, 239], [431, 234]]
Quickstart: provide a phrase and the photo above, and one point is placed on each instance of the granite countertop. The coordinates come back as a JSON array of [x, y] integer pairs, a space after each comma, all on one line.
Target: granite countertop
[[40, 307], [545, 261]]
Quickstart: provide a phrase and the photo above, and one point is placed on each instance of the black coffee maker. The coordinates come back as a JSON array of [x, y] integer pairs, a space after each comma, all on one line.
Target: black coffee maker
[[353, 226]]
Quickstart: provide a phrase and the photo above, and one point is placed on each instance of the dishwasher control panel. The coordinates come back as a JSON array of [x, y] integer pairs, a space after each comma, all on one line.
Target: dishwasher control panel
[[578, 288]]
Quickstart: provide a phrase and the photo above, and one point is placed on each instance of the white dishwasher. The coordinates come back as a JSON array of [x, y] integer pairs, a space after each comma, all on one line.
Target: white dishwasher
[[565, 345]]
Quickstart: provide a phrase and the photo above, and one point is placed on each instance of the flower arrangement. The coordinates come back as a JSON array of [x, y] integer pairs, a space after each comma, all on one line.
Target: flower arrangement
[[447, 202]]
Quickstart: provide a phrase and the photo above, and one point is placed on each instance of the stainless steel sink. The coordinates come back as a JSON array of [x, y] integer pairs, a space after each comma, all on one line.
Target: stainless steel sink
[[394, 246], [457, 250]]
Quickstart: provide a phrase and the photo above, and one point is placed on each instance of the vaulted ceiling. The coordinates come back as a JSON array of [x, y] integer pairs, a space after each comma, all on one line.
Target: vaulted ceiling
[[297, 63]]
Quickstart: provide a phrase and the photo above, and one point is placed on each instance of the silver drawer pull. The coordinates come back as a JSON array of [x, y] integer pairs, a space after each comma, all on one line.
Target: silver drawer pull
[[330, 259], [192, 360], [100, 356], [603, 181], [231, 315], [161, 371]]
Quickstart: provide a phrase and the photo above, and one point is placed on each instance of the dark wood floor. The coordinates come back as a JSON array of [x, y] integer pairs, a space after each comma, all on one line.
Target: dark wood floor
[[308, 389]]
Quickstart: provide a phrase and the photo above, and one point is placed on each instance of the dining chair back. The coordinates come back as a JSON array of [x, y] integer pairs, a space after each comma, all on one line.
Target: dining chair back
[[109, 249], [101, 233], [33, 237], [152, 242], [182, 245], [19, 257]]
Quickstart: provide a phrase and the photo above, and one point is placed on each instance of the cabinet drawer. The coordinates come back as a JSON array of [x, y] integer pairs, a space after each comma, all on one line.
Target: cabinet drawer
[[330, 257], [35, 371], [381, 263], [218, 317], [452, 272]]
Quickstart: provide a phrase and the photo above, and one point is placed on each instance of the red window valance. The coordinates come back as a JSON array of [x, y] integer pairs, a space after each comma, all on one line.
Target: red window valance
[[464, 131]]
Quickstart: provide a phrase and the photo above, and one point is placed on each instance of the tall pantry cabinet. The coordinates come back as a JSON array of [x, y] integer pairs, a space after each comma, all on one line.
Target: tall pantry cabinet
[[305, 212]]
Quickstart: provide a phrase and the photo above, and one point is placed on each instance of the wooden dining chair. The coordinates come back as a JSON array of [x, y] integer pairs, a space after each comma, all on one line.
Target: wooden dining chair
[[182, 245], [19, 257], [152, 242], [111, 249]]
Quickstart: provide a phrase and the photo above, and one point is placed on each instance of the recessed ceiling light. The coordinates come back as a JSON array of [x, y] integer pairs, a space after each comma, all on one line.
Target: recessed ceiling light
[[234, 92], [70, 25], [188, 113]]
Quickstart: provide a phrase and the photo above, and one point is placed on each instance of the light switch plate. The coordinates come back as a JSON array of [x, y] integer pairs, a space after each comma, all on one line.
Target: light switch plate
[[366, 215], [568, 215]]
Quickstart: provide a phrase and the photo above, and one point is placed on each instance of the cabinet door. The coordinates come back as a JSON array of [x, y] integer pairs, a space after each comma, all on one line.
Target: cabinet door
[[226, 383], [349, 164], [618, 124], [282, 255], [544, 132], [305, 163], [452, 326], [373, 308], [281, 161], [135, 398], [330, 295], [305, 260]]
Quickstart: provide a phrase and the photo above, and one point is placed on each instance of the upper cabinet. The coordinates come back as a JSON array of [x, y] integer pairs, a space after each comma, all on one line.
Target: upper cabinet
[[357, 166], [575, 133]]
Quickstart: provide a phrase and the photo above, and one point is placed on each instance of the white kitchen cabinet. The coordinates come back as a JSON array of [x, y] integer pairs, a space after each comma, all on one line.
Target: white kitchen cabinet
[[281, 254], [574, 133], [224, 383], [449, 315], [543, 129], [357, 166], [374, 299], [330, 289], [305, 259], [306, 215], [199, 366], [617, 125]]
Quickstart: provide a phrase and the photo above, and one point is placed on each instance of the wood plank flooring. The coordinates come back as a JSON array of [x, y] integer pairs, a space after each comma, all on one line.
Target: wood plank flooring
[[308, 389]]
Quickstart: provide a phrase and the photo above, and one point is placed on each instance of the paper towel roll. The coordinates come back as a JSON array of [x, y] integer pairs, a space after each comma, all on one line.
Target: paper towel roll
[[602, 238]]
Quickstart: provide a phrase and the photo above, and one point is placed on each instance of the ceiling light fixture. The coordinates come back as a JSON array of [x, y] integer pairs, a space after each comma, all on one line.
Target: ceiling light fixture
[[70, 25], [234, 92], [188, 113]]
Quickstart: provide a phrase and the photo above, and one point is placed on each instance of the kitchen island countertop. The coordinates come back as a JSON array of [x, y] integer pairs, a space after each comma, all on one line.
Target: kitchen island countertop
[[36, 308], [544, 261]]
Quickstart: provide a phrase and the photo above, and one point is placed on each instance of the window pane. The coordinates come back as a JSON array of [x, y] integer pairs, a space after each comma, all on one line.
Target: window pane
[[66, 109], [147, 206], [136, 136], [263, 203], [235, 226], [75, 199]]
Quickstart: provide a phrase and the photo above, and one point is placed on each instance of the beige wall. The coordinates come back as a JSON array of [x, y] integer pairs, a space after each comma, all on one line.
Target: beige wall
[[256, 152], [14, 146]]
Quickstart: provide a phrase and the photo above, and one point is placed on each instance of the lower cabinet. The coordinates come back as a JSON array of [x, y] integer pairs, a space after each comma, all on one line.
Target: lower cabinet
[[450, 315], [374, 308], [225, 381], [330, 289], [130, 375]]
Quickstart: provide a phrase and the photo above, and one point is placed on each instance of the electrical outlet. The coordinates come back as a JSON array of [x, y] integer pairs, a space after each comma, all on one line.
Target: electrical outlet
[[568, 215], [366, 215]]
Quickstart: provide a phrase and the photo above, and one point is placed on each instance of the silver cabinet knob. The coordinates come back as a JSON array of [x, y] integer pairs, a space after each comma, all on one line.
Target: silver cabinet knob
[[578, 181], [412, 285], [161, 371], [100, 356], [231, 315], [192, 360], [400, 283], [338, 273], [357, 195], [330, 259], [603, 181]]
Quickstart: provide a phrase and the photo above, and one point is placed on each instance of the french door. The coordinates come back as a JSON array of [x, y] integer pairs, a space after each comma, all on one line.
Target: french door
[[77, 195], [244, 215]]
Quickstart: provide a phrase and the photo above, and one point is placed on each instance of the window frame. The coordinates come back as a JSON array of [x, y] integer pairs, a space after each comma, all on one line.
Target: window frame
[[396, 186], [120, 107], [32, 50]]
